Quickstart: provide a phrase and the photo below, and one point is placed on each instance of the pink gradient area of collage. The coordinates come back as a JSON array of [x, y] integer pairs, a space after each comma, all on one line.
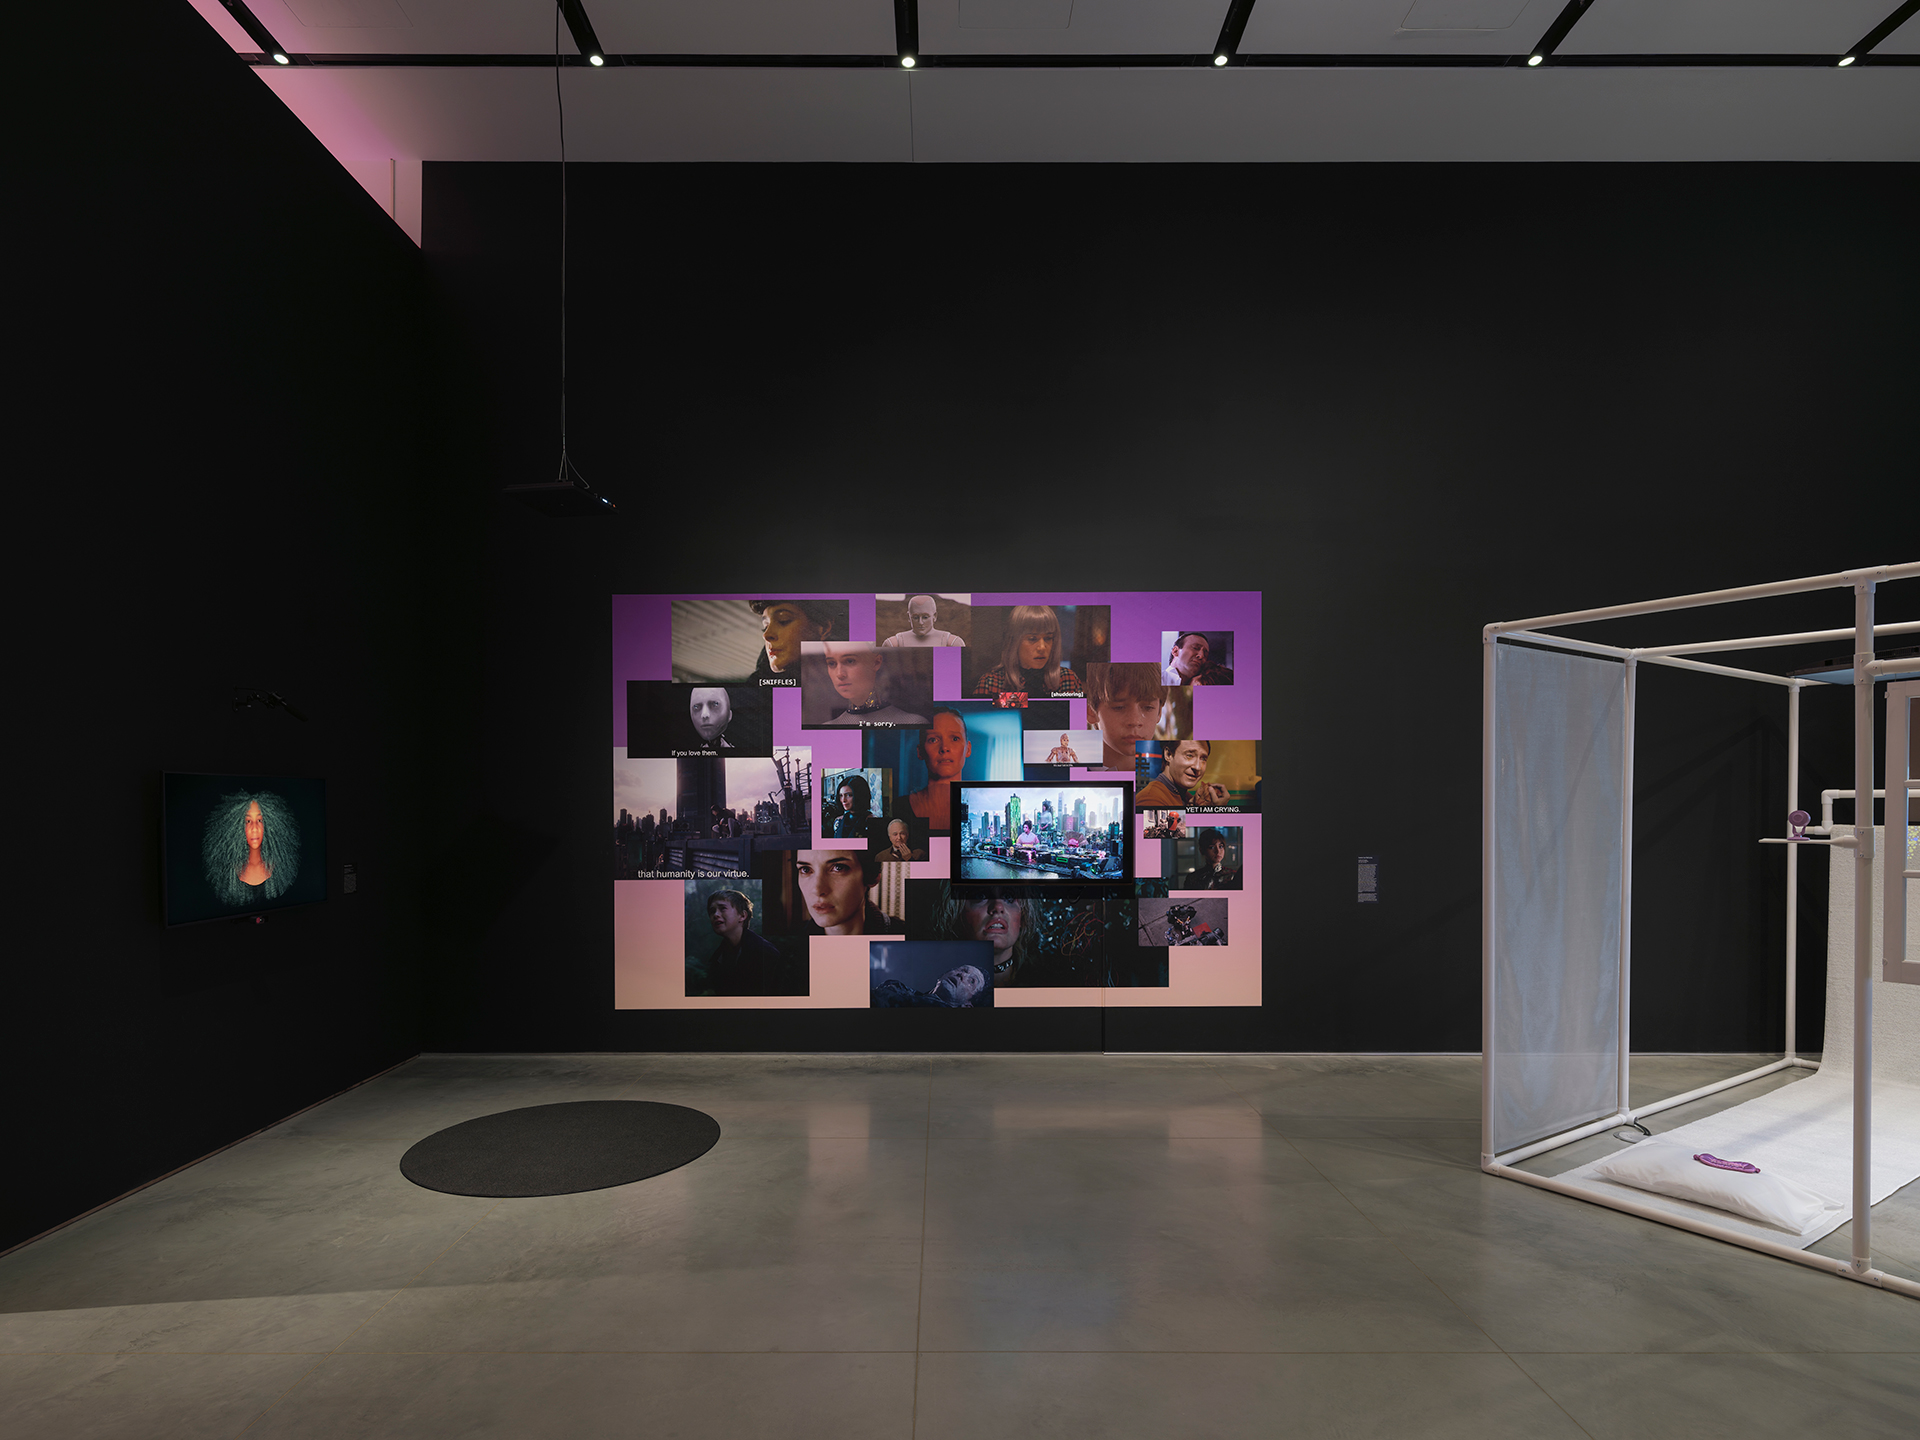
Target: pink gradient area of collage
[[649, 929]]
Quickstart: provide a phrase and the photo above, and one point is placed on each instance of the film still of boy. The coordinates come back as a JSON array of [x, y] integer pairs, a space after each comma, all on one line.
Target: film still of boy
[[1129, 703], [750, 641], [736, 942], [669, 720]]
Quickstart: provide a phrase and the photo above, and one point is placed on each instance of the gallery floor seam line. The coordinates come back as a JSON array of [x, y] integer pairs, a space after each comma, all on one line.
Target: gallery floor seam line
[[1324, 1178], [1394, 1244], [920, 1285], [338, 1349], [1510, 1354], [1549, 1396]]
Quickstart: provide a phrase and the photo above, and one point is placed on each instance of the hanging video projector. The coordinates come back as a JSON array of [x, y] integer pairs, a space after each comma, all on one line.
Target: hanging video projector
[[568, 493]]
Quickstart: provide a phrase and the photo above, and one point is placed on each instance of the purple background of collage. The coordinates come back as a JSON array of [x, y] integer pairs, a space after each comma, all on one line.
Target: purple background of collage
[[643, 650]]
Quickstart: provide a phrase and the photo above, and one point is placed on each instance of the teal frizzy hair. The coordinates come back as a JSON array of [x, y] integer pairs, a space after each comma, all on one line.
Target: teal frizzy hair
[[224, 846]]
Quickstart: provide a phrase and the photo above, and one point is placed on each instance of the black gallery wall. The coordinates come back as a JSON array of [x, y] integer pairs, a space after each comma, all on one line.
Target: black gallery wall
[[217, 480], [1401, 401], [261, 440]]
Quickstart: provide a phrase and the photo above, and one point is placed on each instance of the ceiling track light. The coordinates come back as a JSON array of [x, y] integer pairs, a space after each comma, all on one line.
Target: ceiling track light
[[1557, 32], [1864, 46], [581, 28], [568, 492], [1227, 46], [257, 32], [907, 62]]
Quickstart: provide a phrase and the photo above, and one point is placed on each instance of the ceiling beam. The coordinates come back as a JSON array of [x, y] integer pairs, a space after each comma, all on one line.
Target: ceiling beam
[[1314, 61], [272, 51], [1885, 28], [906, 32], [1227, 47], [1558, 30], [581, 28]]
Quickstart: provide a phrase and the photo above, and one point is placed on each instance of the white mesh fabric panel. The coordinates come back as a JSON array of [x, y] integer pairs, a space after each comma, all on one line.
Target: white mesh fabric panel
[[1896, 1007], [1557, 721]]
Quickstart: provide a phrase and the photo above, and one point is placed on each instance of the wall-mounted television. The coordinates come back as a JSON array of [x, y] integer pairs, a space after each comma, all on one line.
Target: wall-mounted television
[[238, 845], [1044, 833]]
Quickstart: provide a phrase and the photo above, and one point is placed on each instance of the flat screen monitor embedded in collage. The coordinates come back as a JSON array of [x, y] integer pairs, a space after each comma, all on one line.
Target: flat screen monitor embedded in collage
[[1044, 833], [239, 845]]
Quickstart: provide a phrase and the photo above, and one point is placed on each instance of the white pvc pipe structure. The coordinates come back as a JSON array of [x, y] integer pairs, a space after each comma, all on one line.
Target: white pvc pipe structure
[[1863, 583], [1863, 976]]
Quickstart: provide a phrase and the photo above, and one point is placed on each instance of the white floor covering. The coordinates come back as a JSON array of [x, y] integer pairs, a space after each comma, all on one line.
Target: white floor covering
[[1804, 1131]]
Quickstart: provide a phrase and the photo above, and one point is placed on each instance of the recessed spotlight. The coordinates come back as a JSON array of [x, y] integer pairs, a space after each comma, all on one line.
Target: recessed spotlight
[[280, 59], [596, 60], [906, 62], [1845, 60], [1219, 59], [1535, 59]]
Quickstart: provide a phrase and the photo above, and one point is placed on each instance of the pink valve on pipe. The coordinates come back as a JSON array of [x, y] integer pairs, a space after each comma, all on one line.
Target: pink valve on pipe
[[1714, 1160]]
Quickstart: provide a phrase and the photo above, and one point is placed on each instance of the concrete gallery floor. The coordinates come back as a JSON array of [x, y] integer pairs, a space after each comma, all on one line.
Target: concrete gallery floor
[[954, 1246]]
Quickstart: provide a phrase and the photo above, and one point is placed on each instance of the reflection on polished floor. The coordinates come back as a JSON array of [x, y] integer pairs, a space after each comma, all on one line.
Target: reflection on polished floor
[[949, 1246]]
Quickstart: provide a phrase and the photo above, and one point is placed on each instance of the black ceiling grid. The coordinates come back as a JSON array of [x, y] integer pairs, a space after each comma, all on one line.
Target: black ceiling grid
[[581, 28], [1232, 28], [906, 29], [1557, 31], [1315, 61], [1885, 28], [259, 34]]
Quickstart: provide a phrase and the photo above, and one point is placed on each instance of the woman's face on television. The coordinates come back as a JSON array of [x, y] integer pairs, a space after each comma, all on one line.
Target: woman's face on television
[[256, 825], [944, 744], [832, 889], [783, 628], [995, 921], [849, 801], [1036, 649], [1125, 722], [854, 673]]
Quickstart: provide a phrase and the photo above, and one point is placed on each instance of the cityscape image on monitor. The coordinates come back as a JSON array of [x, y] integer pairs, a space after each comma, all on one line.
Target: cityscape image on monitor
[[1043, 833]]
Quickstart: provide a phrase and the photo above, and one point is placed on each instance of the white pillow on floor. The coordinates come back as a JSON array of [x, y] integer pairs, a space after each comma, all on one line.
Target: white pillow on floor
[[1667, 1167]]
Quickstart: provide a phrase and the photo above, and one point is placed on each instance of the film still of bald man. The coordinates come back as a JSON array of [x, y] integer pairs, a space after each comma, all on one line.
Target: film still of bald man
[[923, 622], [667, 720]]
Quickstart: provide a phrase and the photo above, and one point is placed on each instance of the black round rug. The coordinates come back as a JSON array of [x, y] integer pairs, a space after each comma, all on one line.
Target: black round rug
[[560, 1149]]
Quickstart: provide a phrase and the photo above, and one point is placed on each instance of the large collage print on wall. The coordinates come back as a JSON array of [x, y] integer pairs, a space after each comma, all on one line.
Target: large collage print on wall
[[936, 801]]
